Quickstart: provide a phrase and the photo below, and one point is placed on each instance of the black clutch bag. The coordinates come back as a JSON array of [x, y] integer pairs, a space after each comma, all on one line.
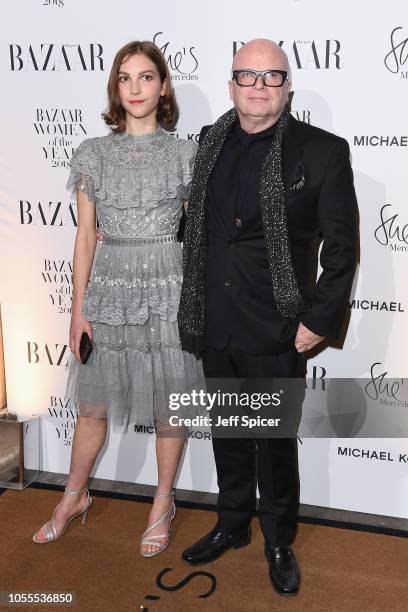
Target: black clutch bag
[[85, 347]]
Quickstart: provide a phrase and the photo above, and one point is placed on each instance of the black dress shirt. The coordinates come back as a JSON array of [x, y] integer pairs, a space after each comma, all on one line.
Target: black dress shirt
[[239, 290]]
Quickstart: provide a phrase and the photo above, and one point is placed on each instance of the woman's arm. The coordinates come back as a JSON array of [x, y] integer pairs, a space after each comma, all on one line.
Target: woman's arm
[[84, 251]]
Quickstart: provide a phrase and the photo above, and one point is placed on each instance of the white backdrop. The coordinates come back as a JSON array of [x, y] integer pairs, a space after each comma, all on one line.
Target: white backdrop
[[350, 76]]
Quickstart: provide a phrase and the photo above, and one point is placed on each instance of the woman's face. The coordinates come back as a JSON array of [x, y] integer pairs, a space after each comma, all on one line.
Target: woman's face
[[139, 86]]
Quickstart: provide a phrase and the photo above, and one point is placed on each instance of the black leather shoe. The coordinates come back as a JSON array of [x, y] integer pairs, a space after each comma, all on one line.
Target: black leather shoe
[[283, 569], [215, 544]]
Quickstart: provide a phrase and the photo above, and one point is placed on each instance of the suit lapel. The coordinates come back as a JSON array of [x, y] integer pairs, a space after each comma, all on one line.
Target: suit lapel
[[291, 151]]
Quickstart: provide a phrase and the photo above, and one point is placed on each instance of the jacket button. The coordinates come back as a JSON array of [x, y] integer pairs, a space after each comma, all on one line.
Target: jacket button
[[231, 243], [227, 283]]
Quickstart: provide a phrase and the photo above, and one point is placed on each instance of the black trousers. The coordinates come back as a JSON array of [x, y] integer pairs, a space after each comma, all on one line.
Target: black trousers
[[242, 463]]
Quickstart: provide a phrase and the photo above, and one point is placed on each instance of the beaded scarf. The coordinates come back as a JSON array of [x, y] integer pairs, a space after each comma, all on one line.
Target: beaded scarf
[[272, 198]]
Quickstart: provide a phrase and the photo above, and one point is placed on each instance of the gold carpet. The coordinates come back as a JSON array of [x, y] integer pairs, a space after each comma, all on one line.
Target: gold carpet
[[342, 570]]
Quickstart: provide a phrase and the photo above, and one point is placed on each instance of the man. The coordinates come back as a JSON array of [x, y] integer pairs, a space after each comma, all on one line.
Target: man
[[266, 190]]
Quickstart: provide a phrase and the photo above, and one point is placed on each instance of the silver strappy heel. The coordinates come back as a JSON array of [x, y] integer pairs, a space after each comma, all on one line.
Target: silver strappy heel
[[155, 539], [49, 527]]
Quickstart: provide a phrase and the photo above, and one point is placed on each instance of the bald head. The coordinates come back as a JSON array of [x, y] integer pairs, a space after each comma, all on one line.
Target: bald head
[[259, 104], [261, 54]]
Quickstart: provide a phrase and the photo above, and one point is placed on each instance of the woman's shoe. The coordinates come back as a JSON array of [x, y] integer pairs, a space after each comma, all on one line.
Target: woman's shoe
[[50, 529], [155, 539]]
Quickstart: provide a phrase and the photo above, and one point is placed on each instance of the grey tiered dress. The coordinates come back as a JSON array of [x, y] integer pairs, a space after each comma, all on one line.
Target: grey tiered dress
[[138, 184]]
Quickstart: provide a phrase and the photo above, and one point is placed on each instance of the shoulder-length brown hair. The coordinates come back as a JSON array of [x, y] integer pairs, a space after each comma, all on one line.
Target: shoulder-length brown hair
[[167, 110]]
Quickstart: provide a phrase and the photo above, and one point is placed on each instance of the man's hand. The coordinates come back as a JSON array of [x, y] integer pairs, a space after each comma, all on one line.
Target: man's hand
[[306, 339]]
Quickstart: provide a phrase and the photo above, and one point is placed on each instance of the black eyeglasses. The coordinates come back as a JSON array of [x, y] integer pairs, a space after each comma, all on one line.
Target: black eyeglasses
[[270, 78]]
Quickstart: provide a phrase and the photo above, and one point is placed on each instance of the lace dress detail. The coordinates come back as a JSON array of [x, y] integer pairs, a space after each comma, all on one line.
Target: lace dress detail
[[138, 184]]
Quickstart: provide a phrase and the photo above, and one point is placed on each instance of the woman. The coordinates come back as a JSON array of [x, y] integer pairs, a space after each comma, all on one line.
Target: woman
[[134, 181]]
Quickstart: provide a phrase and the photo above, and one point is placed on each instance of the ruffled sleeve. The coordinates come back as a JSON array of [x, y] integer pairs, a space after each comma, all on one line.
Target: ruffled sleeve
[[85, 169], [188, 154]]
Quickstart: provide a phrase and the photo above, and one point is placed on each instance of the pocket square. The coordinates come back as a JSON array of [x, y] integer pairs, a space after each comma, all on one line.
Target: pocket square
[[298, 179]]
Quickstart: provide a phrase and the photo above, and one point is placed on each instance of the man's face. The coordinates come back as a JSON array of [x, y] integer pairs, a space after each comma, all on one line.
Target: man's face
[[259, 100]]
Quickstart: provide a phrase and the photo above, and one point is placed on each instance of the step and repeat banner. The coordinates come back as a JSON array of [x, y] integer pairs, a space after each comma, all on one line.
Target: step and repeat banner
[[349, 66]]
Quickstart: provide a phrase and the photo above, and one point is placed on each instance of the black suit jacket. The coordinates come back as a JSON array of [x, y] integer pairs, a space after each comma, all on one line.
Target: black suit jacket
[[323, 211]]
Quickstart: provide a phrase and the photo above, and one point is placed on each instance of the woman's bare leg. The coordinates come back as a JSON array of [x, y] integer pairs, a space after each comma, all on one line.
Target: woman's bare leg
[[89, 437], [168, 453]]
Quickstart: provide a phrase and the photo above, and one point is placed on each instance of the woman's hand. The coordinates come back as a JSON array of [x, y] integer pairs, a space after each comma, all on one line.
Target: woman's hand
[[99, 235], [76, 329]]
